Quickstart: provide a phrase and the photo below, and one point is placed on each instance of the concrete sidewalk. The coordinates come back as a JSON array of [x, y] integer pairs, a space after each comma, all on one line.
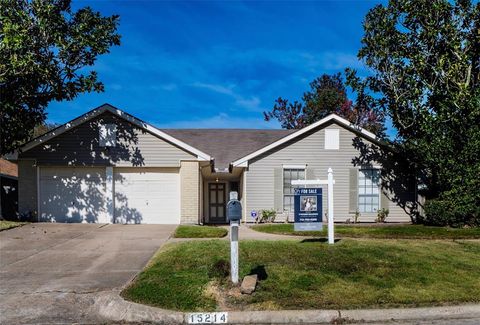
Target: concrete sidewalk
[[245, 232], [114, 308]]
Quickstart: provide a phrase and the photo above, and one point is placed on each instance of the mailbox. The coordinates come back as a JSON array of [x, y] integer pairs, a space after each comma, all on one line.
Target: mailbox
[[234, 209]]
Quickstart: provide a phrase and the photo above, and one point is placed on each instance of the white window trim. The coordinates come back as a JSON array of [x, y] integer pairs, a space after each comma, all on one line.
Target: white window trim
[[304, 167], [376, 167]]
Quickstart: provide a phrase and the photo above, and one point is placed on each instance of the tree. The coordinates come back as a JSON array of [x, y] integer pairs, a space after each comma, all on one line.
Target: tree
[[327, 95], [41, 129], [425, 62], [46, 50]]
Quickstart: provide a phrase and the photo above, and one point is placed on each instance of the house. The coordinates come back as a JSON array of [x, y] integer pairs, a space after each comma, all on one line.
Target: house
[[107, 166], [8, 190]]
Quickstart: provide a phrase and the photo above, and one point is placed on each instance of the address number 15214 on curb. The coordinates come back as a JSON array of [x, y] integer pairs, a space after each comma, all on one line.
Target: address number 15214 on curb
[[207, 318]]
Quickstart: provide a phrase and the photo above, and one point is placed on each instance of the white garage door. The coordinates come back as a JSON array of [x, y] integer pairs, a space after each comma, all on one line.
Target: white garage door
[[71, 194], [147, 195]]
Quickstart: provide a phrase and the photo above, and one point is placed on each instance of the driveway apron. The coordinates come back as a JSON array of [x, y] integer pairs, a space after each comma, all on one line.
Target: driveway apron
[[49, 273]]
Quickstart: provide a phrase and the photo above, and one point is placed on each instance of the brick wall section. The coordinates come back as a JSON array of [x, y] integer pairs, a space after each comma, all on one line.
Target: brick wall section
[[189, 192], [8, 168]]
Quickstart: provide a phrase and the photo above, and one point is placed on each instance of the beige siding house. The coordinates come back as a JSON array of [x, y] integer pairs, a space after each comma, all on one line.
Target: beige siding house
[[107, 166]]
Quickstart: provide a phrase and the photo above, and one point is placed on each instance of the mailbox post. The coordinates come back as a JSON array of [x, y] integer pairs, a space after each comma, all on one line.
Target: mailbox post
[[234, 215]]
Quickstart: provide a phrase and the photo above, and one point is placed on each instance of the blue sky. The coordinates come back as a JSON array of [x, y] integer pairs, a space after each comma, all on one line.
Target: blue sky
[[218, 64]]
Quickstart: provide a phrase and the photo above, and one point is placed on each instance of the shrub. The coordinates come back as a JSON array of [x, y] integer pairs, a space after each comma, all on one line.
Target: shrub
[[356, 217], [440, 212], [382, 215], [268, 215]]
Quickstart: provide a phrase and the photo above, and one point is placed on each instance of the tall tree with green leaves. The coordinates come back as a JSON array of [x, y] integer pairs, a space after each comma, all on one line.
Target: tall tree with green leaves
[[46, 54], [425, 62], [327, 95]]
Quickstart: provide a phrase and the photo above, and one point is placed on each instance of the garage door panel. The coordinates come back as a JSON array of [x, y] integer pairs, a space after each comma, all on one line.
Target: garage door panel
[[69, 194], [147, 195]]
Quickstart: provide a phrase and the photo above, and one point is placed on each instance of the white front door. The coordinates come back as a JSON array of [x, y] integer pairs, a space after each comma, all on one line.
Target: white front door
[[147, 195], [72, 194]]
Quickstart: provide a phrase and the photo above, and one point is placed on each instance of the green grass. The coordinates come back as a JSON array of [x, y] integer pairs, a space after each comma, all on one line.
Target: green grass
[[4, 225], [401, 231], [311, 274], [200, 232]]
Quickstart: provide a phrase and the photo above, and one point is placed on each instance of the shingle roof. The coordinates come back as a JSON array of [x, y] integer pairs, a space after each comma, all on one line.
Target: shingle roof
[[227, 145]]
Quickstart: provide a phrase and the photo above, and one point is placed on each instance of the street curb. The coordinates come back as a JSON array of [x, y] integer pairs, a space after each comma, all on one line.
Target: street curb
[[114, 308]]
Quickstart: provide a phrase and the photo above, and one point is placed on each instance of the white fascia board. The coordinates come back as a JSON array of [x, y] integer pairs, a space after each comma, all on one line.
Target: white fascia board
[[326, 119], [90, 115], [242, 164]]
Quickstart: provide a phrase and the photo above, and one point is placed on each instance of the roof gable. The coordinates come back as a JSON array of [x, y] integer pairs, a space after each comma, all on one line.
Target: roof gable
[[117, 112], [243, 161]]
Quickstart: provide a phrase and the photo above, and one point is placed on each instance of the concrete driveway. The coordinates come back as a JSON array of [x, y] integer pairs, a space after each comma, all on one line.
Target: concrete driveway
[[49, 273]]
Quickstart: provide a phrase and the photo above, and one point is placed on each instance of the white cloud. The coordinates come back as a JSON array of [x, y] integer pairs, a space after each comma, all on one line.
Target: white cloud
[[251, 103], [215, 87]]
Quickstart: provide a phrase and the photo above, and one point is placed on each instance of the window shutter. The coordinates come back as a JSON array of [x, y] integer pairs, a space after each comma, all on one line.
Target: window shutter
[[278, 189], [353, 205], [310, 173], [384, 200]]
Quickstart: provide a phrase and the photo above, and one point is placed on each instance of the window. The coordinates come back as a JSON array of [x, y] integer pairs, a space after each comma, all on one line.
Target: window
[[368, 190], [290, 174], [332, 139], [107, 135]]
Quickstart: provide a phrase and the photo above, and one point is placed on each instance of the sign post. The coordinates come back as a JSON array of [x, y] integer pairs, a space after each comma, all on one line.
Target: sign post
[[234, 251], [234, 215], [331, 236], [298, 209]]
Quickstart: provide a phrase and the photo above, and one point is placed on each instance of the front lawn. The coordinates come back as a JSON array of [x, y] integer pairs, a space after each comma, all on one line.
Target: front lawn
[[400, 231], [311, 274], [4, 225], [200, 232]]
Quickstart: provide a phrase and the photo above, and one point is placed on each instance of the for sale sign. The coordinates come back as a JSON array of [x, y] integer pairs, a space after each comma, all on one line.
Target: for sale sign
[[308, 209]]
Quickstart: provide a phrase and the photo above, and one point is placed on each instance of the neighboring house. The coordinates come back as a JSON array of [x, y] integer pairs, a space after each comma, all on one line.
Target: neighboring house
[[108, 166], [8, 190]]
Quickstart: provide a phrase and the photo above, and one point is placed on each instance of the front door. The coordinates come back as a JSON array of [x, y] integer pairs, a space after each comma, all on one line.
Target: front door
[[216, 199]]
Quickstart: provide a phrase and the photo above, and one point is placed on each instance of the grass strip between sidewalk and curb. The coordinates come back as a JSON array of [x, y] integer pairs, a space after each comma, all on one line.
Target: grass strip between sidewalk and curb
[[184, 231], [374, 231], [5, 225], [311, 274]]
